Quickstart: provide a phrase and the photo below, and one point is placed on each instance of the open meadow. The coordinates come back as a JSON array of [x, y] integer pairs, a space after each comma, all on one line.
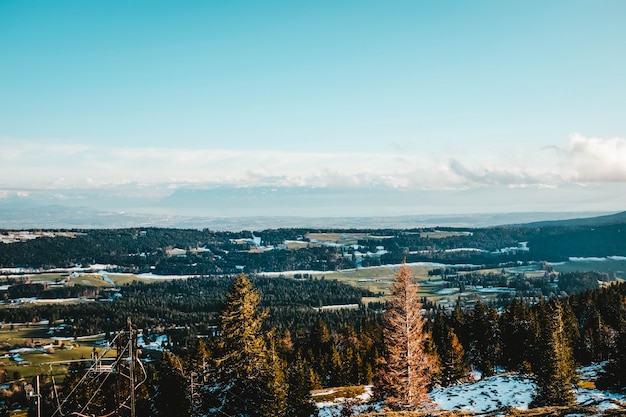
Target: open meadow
[[27, 350]]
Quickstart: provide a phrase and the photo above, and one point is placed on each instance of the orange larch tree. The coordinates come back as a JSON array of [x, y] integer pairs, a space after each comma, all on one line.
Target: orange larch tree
[[405, 367]]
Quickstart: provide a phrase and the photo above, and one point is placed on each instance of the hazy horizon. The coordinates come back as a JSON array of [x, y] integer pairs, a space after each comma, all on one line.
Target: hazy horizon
[[358, 108]]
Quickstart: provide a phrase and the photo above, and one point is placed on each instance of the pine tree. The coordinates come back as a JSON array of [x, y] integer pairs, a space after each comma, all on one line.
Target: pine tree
[[275, 381], [485, 345], [171, 398], [453, 366], [405, 366], [519, 336], [244, 383], [613, 375], [555, 370], [299, 402], [321, 352], [94, 395]]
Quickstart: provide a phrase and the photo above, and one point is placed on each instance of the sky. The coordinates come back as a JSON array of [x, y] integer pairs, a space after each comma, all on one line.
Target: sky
[[514, 101]]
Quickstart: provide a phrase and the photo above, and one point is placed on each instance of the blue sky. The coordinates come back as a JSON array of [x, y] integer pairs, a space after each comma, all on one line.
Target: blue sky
[[150, 97]]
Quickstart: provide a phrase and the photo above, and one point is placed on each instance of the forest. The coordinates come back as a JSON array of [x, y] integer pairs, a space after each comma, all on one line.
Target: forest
[[205, 252], [193, 302], [241, 343], [318, 349]]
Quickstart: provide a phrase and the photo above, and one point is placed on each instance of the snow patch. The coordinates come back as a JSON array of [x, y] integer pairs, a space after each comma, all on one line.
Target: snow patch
[[487, 395]]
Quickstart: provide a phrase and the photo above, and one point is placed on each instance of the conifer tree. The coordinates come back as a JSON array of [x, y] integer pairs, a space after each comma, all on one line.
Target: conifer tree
[[453, 366], [613, 375], [94, 396], [519, 336], [171, 399], [405, 367], [323, 352], [197, 370], [555, 370], [485, 346], [299, 402], [244, 380], [275, 380]]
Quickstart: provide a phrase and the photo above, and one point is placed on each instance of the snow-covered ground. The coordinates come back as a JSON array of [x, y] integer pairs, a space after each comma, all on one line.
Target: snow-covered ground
[[486, 395], [157, 344]]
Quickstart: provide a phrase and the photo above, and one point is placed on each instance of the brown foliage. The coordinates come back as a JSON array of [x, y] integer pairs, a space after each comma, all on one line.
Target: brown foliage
[[405, 368]]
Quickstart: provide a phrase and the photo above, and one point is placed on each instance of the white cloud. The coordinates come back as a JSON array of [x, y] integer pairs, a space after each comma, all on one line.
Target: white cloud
[[581, 161], [62, 166], [51, 166], [595, 159], [511, 176]]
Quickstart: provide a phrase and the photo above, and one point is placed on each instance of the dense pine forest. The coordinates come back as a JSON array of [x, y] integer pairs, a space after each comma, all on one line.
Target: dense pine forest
[[238, 342], [204, 252], [315, 349], [193, 303]]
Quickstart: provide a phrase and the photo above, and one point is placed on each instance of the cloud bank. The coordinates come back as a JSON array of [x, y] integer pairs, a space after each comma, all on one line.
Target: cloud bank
[[40, 165]]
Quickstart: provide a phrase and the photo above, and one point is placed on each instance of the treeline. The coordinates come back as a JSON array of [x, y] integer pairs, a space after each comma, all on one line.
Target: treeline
[[560, 243], [146, 250], [521, 286], [211, 252], [192, 302], [594, 323], [489, 337]]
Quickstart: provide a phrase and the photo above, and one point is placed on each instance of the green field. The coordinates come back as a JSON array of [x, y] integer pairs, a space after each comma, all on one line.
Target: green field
[[380, 279], [54, 362]]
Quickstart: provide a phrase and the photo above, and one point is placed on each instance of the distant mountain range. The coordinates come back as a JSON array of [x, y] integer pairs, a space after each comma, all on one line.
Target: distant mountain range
[[255, 208], [26, 214]]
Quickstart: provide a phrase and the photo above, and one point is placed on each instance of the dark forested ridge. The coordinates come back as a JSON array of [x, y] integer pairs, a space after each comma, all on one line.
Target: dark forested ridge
[[583, 221], [205, 252]]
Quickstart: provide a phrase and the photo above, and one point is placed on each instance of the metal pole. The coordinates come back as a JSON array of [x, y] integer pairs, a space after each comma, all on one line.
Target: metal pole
[[38, 397], [131, 366]]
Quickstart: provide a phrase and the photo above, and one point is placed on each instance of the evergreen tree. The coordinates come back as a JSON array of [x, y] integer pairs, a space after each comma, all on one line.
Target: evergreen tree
[[299, 402], [93, 395], [337, 376], [519, 336], [613, 375], [555, 371], [323, 354], [459, 321], [244, 381], [453, 366], [485, 344], [198, 371], [275, 381], [405, 366], [171, 399]]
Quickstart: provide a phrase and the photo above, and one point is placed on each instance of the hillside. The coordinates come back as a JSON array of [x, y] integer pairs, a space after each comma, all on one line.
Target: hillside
[[167, 251], [609, 219]]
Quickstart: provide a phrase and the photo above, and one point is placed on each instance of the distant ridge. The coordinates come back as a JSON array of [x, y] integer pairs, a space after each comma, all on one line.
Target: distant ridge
[[18, 215], [608, 219]]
